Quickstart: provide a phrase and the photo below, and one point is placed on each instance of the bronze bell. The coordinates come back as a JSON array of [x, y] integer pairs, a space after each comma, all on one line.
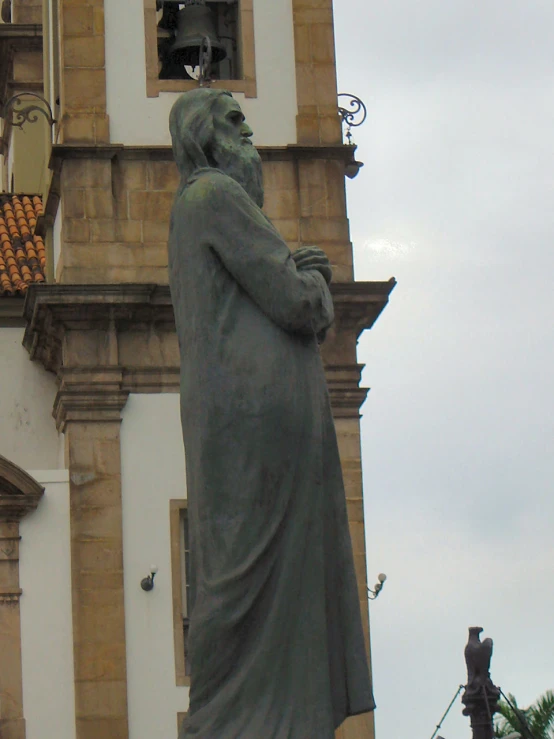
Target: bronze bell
[[194, 23]]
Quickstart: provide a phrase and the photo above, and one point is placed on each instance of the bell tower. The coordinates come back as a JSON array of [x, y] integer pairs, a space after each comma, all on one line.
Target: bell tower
[[103, 324]]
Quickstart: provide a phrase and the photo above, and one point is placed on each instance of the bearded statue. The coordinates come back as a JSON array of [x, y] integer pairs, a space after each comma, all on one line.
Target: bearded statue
[[276, 644]]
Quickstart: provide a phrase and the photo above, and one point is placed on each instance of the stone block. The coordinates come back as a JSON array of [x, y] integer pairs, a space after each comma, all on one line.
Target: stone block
[[355, 509], [330, 129], [27, 66], [322, 43], [99, 597], [98, 20], [307, 127], [107, 728], [85, 173], [85, 89], [325, 79], [308, 15], [100, 662], [84, 52], [102, 129], [73, 202], [96, 523], [360, 566], [99, 203], [98, 556], [150, 206], [77, 20], [111, 229], [129, 175], [76, 229], [78, 130], [99, 490], [279, 175], [357, 534], [30, 12], [107, 580], [163, 176], [302, 43], [334, 183], [12, 728], [81, 3], [305, 84], [282, 204], [320, 230], [289, 230], [157, 231], [101, 699]]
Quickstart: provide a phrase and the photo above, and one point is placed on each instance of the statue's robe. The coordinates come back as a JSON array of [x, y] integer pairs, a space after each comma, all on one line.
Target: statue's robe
[[276, 644]]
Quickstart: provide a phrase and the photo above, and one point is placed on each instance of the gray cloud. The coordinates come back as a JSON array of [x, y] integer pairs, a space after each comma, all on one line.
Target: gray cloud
[[456, 200]]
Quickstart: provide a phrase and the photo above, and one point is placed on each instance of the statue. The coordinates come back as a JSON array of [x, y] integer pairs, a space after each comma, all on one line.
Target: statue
[[481, 695], [276, 644]]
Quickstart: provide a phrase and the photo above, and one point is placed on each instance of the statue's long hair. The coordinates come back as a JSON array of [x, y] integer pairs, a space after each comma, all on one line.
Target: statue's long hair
[[192, 130]]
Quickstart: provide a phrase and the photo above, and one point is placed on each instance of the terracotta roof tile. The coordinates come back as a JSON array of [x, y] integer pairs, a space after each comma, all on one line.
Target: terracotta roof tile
[[22, 253]]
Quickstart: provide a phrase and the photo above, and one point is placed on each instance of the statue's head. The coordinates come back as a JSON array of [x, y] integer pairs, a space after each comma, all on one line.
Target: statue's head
[[208, 129]]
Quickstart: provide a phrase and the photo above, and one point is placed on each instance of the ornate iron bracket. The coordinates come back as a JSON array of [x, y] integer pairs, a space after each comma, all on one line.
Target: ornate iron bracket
[[15, 114], [353, 116]]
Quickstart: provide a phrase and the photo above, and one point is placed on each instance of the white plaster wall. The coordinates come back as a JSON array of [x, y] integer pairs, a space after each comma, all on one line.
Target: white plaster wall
[[46, 620], [153, 473], [28, 435], [138, 120]]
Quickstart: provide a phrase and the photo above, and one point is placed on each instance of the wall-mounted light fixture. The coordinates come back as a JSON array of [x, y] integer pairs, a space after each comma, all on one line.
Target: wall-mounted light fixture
[[351, 117], [354, 115], [16, 113], [147, 583], [377, 587]]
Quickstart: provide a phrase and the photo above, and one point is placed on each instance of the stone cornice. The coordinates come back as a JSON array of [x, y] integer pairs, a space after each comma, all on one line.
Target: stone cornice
[[345, 393], [359, 304], [126, 325], [60, 152], [19, 492]]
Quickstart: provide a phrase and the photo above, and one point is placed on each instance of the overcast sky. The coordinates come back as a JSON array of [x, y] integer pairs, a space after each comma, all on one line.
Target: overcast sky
[[456, 201]]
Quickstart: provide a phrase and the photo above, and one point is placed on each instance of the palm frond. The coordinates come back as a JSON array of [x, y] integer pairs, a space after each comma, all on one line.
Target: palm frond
[[541, 716]]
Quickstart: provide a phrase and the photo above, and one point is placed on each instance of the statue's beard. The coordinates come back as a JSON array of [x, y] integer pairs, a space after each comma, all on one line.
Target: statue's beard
[[242, 162]]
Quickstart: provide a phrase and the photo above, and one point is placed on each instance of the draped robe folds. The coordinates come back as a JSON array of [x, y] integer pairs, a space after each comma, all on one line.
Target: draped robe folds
[[276, 643]]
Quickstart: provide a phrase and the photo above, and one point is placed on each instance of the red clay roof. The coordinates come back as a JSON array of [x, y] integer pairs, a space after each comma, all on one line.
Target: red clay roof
[[22, 254]]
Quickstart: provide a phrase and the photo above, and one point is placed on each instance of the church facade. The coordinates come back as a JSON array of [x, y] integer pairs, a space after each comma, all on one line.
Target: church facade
[[93, 517]]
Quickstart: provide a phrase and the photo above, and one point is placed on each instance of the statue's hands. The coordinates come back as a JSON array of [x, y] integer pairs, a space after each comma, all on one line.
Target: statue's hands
[[311, 257]]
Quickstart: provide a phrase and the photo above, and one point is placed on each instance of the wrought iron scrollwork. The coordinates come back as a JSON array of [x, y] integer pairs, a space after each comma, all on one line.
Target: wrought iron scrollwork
[[354, 115], [16, 113]]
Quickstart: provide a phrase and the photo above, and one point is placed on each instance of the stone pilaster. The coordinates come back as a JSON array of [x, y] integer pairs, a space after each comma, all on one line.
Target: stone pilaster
[[88, 410], [83, 72], [357, 307], [92, 438], [316, 78], [19, 495]]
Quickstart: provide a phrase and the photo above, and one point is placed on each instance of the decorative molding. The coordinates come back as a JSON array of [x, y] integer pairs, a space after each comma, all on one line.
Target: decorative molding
[[359, 304], [345, 393], [19, 492], [94, 385], [60, 152]]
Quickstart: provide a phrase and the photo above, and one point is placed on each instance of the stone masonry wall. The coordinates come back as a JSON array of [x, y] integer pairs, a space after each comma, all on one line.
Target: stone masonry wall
[[116, 215]]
